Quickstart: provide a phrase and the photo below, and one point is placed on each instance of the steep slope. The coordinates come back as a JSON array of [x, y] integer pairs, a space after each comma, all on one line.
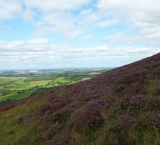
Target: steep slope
[[119, 107]]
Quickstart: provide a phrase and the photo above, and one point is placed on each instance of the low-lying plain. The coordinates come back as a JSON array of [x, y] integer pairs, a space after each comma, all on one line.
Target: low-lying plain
[[17, 87]]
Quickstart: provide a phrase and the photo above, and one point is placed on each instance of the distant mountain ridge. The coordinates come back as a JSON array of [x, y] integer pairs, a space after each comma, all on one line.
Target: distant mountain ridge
[[119, 107]]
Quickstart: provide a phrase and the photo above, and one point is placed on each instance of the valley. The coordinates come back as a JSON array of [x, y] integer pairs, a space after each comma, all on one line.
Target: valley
[[16, 85]]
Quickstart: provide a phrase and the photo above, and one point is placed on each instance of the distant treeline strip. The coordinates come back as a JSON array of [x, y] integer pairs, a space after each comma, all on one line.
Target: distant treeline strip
[[40, 78], [6, 102]]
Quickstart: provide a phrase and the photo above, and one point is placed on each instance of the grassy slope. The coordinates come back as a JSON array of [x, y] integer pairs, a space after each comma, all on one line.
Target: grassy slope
[[39, 83], [15, 96], [120, 107], [4, 80], [13, 133]]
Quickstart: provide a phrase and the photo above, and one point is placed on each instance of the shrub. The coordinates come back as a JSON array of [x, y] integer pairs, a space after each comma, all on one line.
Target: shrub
[[153, 103], [89, 116], [155, 120], [120, 129], [122, 123], [49, 130]]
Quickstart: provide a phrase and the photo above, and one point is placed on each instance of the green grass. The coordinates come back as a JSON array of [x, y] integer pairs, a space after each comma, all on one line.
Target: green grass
[[39, 83], [153, 88], [16, 96], [11, 86], [62, 80], [10, 128], [5, 80], [19, 85], [83, 79], [40, 78]]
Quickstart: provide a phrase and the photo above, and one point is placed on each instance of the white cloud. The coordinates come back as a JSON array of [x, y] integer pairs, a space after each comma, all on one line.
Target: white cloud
[[59, 18], [88, 18], [42, 51], [119, 38], [132, 10], [145, 37], [72, 34], [86, 37], [136, 23], [38, 41], [54, 16], [48, 16], [54, 5], [106, 23], [86, 12], [136, 15], [28, 14], [9, 9]]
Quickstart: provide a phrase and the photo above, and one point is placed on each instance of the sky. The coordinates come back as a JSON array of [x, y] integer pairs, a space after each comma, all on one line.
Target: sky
[[49, 34]]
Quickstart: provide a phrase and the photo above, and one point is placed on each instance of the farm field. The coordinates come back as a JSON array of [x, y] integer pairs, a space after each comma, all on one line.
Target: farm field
[[17, 87]]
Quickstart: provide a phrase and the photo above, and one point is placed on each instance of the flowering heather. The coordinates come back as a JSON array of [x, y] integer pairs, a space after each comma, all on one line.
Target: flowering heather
[[49, 130], [89, 116], [123, 121], [136, 100], [153, 103], [155, 120]]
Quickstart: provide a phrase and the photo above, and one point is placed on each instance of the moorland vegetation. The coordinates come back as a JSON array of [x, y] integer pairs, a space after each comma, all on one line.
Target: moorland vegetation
[[118, 107]]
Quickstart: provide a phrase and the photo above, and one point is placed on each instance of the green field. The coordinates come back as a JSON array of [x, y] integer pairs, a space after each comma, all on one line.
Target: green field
[[16, 88], [39, 83]]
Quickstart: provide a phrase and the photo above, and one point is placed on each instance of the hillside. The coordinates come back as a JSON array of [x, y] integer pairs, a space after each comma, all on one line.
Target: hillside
[[119, 107]]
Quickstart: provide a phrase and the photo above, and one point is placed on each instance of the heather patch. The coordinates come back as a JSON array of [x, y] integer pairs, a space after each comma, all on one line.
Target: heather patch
[[89, 116], [123, 122], [49, 130], [121, 130], [155, 120], [152, 104], [132, 103]]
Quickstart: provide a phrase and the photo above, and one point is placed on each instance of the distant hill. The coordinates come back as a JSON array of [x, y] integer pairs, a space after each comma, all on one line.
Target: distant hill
[[119, 107]]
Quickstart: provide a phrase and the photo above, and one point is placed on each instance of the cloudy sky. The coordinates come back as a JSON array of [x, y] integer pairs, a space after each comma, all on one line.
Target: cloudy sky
[[38, 34]]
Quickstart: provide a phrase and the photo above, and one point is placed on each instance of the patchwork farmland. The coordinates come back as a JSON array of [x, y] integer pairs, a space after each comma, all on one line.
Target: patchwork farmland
[[18, 87]]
